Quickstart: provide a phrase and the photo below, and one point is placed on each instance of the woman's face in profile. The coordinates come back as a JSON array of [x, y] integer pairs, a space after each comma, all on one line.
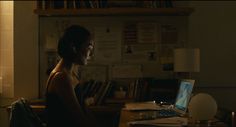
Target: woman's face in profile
[[84, 53]]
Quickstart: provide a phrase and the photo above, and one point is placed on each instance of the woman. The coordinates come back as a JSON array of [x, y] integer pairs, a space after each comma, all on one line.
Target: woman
[[62, 106]]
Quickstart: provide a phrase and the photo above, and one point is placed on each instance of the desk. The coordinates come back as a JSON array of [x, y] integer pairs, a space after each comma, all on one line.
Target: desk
[[128, 116]]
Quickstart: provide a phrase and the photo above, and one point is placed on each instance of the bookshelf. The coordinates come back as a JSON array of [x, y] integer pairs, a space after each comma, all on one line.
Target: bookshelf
[[115, 11]]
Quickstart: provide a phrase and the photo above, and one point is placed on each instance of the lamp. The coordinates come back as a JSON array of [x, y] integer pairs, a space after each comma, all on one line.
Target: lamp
[[202, 107], [186, 60]]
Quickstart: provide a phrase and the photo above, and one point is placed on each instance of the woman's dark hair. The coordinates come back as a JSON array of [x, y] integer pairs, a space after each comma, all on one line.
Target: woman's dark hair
[[74, 36]]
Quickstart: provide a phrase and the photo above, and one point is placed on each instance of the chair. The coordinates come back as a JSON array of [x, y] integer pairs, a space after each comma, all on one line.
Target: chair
[[227, 116], [21, 115], [233, 119]]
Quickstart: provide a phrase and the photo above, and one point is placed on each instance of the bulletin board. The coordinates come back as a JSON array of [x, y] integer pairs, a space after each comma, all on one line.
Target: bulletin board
[[145, 44]]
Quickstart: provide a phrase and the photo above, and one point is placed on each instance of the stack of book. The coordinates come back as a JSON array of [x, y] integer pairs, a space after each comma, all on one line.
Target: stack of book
[[75, 4], [102, 93], [70, 4]]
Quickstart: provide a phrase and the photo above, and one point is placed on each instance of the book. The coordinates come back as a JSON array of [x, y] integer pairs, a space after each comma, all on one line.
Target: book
[[58, 4], [104, 93], [78, 4], [89, 88], [102, 3], [70, 4], [169, 3], [131, 90], [48, 4], [122, 3], [40, 4], [98, 93], [95, 88]]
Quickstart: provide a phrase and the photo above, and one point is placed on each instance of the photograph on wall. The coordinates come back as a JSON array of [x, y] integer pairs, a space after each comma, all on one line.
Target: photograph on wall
[[51, 41], [166, 58], [139, 53], [167, 63], [130, 33]]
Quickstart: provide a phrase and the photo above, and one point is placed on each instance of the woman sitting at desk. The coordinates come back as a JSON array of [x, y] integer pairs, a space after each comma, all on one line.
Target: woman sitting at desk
[[62, 107]]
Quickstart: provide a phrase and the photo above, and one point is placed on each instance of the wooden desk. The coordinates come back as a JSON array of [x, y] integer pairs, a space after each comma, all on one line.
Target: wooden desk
[[129, 116]]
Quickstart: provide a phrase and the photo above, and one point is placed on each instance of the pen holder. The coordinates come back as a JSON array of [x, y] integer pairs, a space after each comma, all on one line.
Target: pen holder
[[119, 94]]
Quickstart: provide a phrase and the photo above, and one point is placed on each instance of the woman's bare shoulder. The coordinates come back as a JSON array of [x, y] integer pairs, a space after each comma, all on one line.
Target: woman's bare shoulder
[[61, 77], [59, 80]]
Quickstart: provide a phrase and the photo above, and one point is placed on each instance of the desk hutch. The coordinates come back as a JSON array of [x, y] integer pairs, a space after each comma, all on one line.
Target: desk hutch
[[50, 16]]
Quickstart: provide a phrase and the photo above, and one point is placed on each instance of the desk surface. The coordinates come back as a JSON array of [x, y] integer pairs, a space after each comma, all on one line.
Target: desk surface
[[129, 116]]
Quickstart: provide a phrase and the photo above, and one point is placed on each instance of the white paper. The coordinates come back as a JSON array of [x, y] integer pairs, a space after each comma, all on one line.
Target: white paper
[[142, 106], [126, 71], [107, 43], [51, 42], [130, 33], [147, 32], [140, 53]]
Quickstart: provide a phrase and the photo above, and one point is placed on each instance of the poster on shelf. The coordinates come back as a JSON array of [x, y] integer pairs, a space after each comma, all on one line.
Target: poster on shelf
[[107, 43]]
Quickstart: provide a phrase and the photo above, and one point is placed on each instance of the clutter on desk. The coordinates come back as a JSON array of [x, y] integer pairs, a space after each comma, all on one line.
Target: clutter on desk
[[163, 122], [149, 105]]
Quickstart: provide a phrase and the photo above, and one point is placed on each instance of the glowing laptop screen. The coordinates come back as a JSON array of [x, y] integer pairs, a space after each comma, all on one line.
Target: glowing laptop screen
[[184, 94]]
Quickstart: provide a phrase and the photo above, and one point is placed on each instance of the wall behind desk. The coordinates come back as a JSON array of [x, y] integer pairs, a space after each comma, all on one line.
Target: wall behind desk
[[212, 29], [52, 27]]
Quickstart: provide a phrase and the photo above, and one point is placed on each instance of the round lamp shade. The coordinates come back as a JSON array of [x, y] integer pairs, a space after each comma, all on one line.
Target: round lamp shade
[[202, 107]]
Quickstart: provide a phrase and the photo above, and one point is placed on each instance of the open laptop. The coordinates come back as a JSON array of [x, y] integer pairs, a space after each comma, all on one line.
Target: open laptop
[[182, 100]]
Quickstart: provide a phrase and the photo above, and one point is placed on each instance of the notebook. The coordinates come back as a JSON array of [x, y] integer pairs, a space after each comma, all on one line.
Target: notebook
[[182, 100]]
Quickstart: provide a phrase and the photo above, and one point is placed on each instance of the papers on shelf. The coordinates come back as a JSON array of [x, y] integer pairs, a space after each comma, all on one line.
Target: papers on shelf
[[108, 43], [163, 122], [142, 106]]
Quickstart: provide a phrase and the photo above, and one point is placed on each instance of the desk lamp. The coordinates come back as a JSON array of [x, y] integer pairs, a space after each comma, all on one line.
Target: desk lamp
[[202, 107], [186, 60]]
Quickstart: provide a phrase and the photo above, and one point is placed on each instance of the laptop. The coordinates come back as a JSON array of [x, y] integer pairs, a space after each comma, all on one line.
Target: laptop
[[182, 100]]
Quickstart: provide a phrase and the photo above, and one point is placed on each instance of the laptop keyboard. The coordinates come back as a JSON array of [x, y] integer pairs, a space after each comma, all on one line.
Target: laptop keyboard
[[167, 113]]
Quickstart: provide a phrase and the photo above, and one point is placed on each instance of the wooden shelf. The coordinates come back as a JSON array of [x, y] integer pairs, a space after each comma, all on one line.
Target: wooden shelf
[[115, 11]]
